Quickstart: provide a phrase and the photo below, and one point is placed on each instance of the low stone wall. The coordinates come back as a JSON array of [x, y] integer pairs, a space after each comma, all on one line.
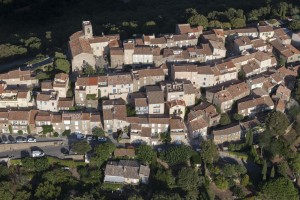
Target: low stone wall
[[21, 146]]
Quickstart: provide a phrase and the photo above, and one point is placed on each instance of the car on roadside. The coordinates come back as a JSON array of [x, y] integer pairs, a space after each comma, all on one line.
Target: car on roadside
[[37, 154], [80, 136], [11, 139], [20, 139], [0, 140], [102, 139], [4, 139], [31, 139]]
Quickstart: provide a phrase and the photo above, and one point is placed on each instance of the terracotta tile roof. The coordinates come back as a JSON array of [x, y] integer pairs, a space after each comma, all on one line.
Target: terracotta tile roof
[[155, 97], [217, 45], [261, 56], [175, 103], [82, 81], [65, 102], [92, 81], [161, 40], [3, 115], [281, 105], [139, 41], [142, 50], [265, 29], [238, 89], [150, 72], [56, 118], [99, 39], [242, 41], [282, 90], [116, 51], [184, 28], [62, 76], [119, 79], [266, 100], [250, 124], [95, 117], [223, 96], [43, 97], [185, 68], [18, 115], [227, 131], [124, 152], [140, 102], [205, 70], [76, 35], [258, 43], [22, 94], [79, 46], [198, 124], [46, 85], [250, 67], [43, 117], [280, 33], [146, 132], [128, 46], [176, 123]]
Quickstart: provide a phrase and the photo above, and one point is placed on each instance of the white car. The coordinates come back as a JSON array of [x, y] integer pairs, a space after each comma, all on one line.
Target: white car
[[37, 154], [80, 136], [31, 140]]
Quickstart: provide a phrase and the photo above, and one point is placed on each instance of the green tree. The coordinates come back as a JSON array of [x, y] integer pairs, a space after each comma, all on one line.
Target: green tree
[[4, 172], [33, 43], [225, 119], [283, 168], [238, 192], [277, 123], [221, 183], [22, 195], [89, 70], [20, 132], [238, 23], [188, 179], [146, 154], [81, 147], [272, 175], [98, 132], [166, 196], [238, 117], [294, 25], [58, 176], [209, 152], [264, 170], [279, 189], [245, 180], [47, 190], [177, 154], [164, 178], [135, 197], [5, 191], [47, 129], [102, 153], [249, 138], [41, 164], [62, 65], [295, 164], [198, 20], [165, 137]]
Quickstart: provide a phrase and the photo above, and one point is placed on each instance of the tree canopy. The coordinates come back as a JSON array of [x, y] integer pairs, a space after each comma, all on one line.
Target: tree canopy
[[146, 153], [177, 154], [81, 147], [277, 123], [280, 188], [209, 152], [188, 179]]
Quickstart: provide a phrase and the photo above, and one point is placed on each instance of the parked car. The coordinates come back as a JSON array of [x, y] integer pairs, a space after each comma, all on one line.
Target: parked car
[[0, 140], [36, 154], [11, 139], [90, 137], [80, 136], [20, 139], [102, 139], [4, 138], [31, 139]]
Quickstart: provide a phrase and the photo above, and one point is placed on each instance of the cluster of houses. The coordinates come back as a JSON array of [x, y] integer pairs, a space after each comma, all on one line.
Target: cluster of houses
[[235, 71]]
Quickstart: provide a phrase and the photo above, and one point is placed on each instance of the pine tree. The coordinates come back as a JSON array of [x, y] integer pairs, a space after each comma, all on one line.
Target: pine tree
[[272, 175], [264, 170]]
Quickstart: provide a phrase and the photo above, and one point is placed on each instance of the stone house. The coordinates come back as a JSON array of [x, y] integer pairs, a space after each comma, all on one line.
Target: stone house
[[296, 39], [255, 106], [126, 172], [116, 57], [155, 99], [228, 134], [178, 131], [282, 37], [285, 53], [179, 90], [266, 32], [176, 108], [114, 115], [242, 44], [47, 101], [15, 98], [19, 77]]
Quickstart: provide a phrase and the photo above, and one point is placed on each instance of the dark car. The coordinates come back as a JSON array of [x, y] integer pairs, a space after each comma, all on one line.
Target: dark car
[[4, 138], [11, 139], [64, 151], [0, 140], [21, 139]]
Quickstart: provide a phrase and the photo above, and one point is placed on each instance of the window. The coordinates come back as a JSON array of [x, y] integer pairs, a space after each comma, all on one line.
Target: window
[[76, 122]]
